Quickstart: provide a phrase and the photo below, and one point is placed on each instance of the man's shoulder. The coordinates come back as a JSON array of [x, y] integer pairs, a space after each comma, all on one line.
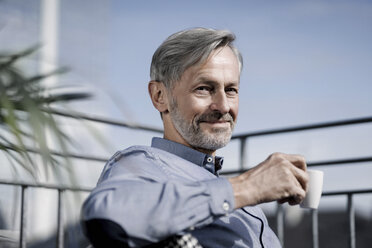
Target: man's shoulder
[[152, 162], [132, 161], [142, 156], [138, 152]]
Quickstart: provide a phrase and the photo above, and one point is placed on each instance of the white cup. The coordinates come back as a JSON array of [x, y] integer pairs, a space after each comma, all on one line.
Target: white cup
[[314, 189]]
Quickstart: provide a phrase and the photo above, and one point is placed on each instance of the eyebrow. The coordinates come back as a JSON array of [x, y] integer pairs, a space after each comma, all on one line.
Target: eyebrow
[[211, 81], [205, 80]]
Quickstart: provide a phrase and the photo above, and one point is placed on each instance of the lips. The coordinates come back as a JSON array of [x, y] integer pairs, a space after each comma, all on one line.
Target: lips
[[221, 124], [215, 117], [216, 122]]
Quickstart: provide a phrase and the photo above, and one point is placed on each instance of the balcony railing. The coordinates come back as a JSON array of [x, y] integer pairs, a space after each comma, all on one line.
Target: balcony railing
[[243, 158], [243, 138]]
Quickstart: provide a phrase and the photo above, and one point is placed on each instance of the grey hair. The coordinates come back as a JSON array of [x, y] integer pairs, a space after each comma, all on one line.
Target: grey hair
[[185, 49]]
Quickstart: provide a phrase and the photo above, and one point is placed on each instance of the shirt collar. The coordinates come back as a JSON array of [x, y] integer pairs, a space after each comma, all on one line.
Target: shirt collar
[[208, 162]]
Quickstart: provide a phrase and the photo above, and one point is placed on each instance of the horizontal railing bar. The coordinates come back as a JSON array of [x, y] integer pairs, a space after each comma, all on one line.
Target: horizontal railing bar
[[305, 127], [341, 161], [60, 154], [347, 192], [46, 185], [312, 164], [103, 120]]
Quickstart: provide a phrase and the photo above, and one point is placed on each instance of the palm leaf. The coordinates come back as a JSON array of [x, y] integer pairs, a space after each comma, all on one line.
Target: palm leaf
[[25, 115]]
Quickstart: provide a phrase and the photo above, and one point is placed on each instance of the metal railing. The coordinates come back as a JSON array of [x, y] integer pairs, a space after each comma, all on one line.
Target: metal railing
[[24, 206], [243, 158], [243, 138], [314, 217]]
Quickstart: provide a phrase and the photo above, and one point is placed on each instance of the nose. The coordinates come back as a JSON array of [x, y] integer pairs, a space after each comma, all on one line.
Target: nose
[[220, 102]]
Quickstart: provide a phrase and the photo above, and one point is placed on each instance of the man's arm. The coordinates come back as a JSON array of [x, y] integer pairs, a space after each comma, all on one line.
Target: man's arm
[[149, 205], [280, 177]]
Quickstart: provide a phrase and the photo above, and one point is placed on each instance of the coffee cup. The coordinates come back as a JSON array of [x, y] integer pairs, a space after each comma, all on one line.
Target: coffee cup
[[314, 189]]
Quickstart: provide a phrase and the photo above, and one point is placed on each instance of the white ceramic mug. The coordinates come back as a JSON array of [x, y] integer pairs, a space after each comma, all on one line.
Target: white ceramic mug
[[314, 189]]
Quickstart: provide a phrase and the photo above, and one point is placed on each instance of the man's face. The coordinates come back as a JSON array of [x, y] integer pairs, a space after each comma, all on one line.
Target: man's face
[[204, 103]]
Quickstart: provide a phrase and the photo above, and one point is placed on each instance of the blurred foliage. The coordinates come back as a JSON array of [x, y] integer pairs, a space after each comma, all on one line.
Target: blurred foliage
[[25, 114]]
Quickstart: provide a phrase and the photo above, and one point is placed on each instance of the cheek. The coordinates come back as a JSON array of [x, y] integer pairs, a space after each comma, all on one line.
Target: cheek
[[234, 112], [194, 107], [234, 108]]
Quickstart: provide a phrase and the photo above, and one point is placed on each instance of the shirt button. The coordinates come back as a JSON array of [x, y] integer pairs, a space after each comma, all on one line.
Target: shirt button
[[209, 160], [226, 206]]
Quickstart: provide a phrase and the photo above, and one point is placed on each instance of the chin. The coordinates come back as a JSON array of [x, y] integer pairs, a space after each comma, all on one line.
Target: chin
[[213, 144]]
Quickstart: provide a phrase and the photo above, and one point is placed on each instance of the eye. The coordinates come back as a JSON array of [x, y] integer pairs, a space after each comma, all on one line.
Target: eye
[[231, 91], [203, 89]]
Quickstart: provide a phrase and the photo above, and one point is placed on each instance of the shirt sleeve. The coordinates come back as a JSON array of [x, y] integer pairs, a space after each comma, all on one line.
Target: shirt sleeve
[[149, 205]]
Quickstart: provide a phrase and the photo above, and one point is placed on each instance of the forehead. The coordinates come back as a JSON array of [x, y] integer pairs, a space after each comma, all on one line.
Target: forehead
[[222, 56], [222, 63]]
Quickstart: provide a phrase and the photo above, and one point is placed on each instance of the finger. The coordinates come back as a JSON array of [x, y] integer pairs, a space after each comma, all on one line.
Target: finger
[[301, 176], [297, 191], [297, 160], [284, 200], [293, 200], [298, 196]]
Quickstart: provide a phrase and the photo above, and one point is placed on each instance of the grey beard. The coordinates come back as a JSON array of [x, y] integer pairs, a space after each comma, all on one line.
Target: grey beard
[[196, 137]]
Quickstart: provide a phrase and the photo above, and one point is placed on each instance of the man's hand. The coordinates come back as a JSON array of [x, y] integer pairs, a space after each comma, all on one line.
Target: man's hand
[[280, 177]]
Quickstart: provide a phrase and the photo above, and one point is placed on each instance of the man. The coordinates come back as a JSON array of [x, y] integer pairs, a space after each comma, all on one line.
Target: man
[[148, 194]]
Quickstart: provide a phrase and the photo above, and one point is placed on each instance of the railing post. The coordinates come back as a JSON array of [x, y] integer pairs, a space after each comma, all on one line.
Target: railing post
[[280, 223], [23, 228], [243, 154], [351, 215], [60, 226], [315, 227]]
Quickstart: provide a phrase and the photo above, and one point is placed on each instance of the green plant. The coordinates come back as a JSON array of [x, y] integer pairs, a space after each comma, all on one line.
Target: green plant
[[25, 114]]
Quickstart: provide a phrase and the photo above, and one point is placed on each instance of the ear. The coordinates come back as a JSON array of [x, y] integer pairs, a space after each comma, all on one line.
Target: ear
[[158, 93]]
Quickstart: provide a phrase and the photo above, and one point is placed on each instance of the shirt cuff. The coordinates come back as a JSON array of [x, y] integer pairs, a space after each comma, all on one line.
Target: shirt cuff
[[222, 196]]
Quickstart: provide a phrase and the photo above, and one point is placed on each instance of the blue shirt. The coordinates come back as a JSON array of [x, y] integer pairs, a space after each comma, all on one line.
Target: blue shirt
[[151, 193]]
